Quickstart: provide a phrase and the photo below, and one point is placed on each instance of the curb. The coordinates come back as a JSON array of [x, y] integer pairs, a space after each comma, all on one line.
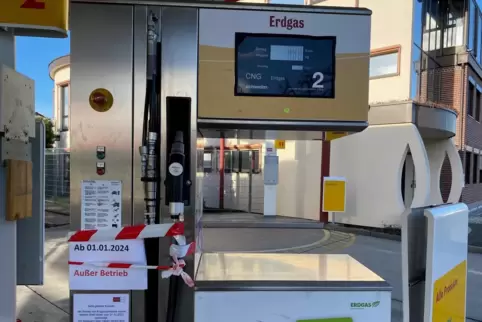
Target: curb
[[50, 225], [382, 235], [58, 212], [251, 224]]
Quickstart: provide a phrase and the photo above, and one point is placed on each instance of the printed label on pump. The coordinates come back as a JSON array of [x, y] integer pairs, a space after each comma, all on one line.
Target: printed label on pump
[[175, 169], [101, 203]]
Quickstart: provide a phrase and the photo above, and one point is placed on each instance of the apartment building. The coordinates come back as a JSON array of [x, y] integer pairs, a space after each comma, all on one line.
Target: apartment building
[[59, 71], [452, 39], [430, 53]]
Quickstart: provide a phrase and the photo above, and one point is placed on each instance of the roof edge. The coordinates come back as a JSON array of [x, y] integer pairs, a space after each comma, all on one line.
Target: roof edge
[[57, 64]]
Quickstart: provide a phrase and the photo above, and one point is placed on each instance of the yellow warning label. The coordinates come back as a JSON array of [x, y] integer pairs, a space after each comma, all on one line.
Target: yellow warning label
[[279, 144], [334, 195], [449, 295], [332, 135]]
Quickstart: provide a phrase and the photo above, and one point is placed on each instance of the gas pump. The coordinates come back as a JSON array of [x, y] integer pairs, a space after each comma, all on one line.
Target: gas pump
[[260, 76], [214, 70]]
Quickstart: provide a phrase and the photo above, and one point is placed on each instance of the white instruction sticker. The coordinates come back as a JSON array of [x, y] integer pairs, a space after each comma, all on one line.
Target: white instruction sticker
[[176, 169], [101, 307], [101, 204]]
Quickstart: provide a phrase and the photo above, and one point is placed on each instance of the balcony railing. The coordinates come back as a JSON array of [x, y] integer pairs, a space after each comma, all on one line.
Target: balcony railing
[[436, 85]]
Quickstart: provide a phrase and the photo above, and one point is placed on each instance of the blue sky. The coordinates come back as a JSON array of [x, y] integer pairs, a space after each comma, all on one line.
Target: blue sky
[[33, 58]]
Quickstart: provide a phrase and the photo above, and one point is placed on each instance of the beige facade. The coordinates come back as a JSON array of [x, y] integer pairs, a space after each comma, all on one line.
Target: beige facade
[[59, 71], [391, 46]]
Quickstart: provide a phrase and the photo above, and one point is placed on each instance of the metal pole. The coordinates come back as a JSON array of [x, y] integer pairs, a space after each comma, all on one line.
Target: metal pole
[[250, 182], [325, 172], [221, 172], [8, 229]]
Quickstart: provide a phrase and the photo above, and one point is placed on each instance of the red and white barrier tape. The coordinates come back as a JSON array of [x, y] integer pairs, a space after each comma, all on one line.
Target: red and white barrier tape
[[166, 271], [181, 251], [129, 232], [129, 266], [178, 271]]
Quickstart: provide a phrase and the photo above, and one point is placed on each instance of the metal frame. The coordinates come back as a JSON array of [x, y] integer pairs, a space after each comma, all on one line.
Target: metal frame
[[113, 130], [237, 6]]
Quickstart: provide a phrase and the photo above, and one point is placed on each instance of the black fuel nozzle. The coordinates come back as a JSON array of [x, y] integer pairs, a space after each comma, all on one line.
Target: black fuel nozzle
[[175, 177]]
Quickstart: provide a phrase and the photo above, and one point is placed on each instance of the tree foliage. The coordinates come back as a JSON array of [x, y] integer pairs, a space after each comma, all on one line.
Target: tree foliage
[[50, 136]]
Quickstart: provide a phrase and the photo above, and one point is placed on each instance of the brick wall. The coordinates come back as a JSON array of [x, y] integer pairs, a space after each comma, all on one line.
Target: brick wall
[[473, 127], [445, 87], [448, 87], [472, 192]]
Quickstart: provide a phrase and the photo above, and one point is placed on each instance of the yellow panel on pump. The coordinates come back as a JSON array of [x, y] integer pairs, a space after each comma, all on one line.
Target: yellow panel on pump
[[334, 194], [289, 66], [449, 295], [43, 18]]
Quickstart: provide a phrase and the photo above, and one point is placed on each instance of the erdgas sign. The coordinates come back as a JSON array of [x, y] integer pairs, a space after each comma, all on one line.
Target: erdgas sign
[[305, 66]]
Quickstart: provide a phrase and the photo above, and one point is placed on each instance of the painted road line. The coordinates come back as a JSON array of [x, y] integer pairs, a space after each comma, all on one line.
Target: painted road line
[[331, 241], [337, 242], [473, 271], [385, 251], [326, 236], [348, 241]]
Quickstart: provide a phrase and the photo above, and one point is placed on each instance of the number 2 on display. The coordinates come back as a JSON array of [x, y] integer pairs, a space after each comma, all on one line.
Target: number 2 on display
[[318, 77]]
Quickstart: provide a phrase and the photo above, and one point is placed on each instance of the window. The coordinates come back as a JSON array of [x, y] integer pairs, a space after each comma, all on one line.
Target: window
[[256, 162], [470, 99], [242, 161], [472, 23], [480, 168], [432, 28], [453, 31], [208, 161], [475, 165], [228, 162], [64, 104], [468, 159], [385, 62], [199, 159], [235, 164], [245, 161], [477, 51], [477, 104], [443, 26]]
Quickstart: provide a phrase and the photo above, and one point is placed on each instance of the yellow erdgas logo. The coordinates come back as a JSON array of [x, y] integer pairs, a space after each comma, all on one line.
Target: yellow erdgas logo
[[364, 305]]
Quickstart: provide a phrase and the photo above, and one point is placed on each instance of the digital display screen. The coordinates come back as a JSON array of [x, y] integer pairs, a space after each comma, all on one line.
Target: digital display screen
[[285, 65]]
